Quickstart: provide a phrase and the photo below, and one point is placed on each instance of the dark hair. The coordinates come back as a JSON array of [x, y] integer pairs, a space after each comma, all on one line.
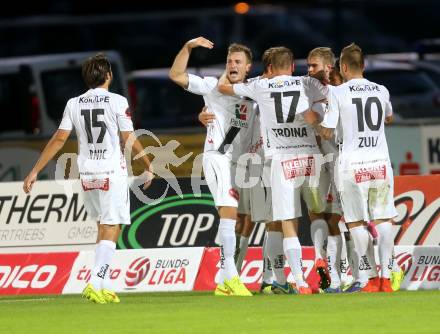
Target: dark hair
[[95, 70], [353, 57]]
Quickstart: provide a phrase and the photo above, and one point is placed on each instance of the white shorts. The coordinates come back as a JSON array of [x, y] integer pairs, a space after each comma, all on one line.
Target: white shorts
[[220, 174], [367, 193], [290, 182], [108, 200]]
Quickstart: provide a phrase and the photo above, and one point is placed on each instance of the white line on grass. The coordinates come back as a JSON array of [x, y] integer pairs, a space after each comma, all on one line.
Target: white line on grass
[[24, 300]]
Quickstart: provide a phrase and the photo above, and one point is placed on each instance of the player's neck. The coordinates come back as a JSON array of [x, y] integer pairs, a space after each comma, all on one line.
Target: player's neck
[[349, 77]]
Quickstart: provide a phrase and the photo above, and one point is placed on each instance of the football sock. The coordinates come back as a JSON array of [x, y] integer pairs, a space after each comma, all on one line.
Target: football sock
[[274, 245], [385, 245], [244, 242], [267, 265], [226, 232], [353, 259], [360, 238], [101, 271], [334, 249], [319, 233], [292, 249], [372, 258]]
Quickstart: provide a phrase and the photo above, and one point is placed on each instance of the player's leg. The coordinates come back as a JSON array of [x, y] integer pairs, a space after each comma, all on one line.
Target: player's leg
[[385, 246], [334, 251], [244, 241], [267, 276]]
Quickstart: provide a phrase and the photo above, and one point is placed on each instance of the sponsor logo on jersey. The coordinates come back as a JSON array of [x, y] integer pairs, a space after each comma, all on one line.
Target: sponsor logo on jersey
[[370, 173], [284, 83], [364, 88], [94, 99], [128, 112], [234, 193], [298, 167], [101, 184]]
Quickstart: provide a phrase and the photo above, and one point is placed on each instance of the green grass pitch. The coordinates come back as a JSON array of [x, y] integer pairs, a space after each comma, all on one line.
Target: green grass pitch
[[193, 312]]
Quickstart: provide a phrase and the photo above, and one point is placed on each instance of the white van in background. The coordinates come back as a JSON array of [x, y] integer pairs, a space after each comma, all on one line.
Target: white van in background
[[34, 90]]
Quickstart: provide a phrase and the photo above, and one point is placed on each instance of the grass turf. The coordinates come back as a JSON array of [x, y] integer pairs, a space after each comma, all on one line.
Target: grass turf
[[401, 312]]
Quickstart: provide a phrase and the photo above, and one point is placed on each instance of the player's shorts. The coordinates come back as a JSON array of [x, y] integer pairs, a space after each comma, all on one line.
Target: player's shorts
[[367, 193], [292, 177], [108, 200], [219, 172]]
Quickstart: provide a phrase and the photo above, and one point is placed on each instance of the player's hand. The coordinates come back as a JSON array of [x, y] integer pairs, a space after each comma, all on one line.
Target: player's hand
[[389, 119], [199, 42], [29, 182], [325, 133], [205, 117], [150, 177]]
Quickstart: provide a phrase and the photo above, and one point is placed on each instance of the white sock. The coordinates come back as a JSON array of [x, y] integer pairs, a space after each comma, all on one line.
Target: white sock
[[244, 243], [396, 267], [275, 252], [344, 265], [360, 237], [334, 249], [226, 231], [100, 278], [353, 259], [372, 258], [386, 246], [267, 265], [319, 233], [292, 249]]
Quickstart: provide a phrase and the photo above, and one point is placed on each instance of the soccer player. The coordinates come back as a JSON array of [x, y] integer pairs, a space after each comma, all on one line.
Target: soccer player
[[291, 146], [359, 109], [222, 147], [101, 119]]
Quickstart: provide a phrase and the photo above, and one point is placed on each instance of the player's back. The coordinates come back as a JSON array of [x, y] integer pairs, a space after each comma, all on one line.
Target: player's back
[[280, 99], [363, 106], [98, 116]]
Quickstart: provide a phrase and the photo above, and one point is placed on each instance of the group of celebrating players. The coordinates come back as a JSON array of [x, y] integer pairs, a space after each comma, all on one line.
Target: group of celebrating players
[[277, 138], [271, 140]]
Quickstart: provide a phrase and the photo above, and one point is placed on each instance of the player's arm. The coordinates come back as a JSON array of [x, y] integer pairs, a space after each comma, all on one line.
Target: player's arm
[[205, 117], [178, 71], [52, 148], [331, 117], [388, 108], [137, 149]]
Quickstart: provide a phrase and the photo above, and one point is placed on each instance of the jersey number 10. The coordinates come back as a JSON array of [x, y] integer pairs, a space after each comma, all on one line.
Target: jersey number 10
[[364, 113], [95, 123]]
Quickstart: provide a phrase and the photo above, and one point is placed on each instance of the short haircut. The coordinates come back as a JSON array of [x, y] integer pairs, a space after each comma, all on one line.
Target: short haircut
[[235, 47], [281, 57], [353, 57], [95, 70], [266, 59], [326, 54]]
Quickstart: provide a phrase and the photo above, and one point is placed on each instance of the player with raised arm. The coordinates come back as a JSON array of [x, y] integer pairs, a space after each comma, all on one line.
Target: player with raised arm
[[222, 147], [358, 110], [101, 120], [291, 145]]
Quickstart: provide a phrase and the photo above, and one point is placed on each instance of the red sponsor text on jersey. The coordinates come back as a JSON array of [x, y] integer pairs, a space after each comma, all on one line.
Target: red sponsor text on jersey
[[100, 184], [370, 173], [298, 167]]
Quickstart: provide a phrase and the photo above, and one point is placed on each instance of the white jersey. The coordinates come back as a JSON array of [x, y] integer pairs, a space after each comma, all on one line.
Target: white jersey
[[279, 100], [98, 116], [229, 128], [358, 109]]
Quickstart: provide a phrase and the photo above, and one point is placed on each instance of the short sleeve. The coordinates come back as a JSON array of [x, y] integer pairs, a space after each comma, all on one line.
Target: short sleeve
[[388, 106], [247, 89], [331, 116], [123, 114], [66, 121], [201, 86]]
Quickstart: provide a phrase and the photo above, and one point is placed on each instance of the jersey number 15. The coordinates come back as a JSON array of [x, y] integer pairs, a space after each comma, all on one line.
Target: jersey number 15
[[95, 123]]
